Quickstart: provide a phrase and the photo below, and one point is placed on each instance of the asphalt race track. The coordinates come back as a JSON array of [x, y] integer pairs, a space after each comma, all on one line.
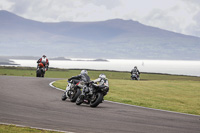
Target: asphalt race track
[[30, 101]]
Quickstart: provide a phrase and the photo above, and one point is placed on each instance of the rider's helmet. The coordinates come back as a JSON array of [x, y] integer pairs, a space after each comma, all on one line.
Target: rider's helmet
[[102, 76], [135, 67], [84, 72], [44, 56]]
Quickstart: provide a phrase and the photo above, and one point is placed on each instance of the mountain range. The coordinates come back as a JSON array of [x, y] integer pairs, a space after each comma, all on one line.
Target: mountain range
[[116, 38]]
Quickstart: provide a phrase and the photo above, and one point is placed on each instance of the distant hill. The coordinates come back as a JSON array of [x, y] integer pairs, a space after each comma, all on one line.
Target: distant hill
[[114, 38]]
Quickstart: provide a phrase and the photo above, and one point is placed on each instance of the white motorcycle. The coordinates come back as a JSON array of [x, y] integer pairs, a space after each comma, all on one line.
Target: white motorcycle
[[73, 90]]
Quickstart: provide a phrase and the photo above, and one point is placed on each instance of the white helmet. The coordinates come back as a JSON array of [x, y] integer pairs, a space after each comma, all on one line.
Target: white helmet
[[84, 72], [102, 76]]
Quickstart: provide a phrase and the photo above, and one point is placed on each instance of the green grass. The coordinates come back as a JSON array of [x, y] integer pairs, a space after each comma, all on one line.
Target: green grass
[[17, 129], [170, 95], [173, 95], [65, 73], [159, 91]]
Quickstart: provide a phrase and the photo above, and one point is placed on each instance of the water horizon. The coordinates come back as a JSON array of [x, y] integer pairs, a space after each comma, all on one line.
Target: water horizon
[[174, 67]]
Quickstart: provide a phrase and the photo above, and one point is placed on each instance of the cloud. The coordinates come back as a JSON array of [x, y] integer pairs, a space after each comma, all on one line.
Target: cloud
[[175, 15], [174, 18], [193, 27], [6, 5]]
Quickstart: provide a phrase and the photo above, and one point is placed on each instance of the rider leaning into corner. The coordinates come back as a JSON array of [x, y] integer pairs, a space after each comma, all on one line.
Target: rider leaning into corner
[[44, 61], [135, 71], [83, 76], [101, 81]]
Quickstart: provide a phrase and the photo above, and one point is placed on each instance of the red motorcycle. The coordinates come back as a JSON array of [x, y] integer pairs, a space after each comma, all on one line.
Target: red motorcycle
[[41, 69]]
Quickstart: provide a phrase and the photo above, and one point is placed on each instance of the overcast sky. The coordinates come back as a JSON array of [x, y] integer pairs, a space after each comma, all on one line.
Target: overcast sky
[[181, 16]]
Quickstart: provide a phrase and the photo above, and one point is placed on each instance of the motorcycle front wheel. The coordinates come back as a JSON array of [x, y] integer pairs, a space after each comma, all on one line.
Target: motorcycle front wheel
[[97, 99], [64, 97], [38, 73], [79, 100], [75, 95]]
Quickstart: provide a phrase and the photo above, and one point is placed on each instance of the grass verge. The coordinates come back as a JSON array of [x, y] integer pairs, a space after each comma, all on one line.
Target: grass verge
[[17, 129]]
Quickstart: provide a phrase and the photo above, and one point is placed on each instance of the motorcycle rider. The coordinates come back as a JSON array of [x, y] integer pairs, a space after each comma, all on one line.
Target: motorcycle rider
[[135, 71], [83, 76], [44, 61], [102, 81]]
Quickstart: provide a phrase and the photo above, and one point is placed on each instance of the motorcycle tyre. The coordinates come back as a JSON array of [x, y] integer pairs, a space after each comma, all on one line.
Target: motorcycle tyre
[[79, 100], [78, 92], [42, 75], [38, 74], [98, 100], [63, 97]]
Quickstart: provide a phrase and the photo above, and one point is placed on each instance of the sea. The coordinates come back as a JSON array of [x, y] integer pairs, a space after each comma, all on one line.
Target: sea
[[175, 67]]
